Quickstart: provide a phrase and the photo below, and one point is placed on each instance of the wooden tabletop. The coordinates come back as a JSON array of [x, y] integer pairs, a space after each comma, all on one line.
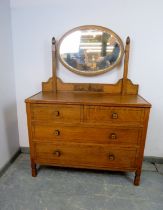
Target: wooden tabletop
[[88, 98]]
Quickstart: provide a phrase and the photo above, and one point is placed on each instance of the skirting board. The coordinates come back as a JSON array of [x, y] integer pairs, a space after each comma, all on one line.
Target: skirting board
[[7, 165], [25, 150], [150, 159]]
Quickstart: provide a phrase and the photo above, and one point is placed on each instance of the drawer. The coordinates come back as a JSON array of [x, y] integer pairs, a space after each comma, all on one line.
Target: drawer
[[97, 156], [57, 113], [115, 135], [102, 114]]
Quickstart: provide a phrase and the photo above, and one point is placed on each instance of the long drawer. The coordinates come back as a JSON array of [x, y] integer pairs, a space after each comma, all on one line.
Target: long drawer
[[100, 135], [85, 155], [103, 114], [57, 113]]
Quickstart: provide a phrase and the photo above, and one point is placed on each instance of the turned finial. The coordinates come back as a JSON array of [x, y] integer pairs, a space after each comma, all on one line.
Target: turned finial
[[128, 40], [53, 40]]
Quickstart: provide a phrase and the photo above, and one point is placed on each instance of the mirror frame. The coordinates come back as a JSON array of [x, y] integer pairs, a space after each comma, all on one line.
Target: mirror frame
[[93, 27]]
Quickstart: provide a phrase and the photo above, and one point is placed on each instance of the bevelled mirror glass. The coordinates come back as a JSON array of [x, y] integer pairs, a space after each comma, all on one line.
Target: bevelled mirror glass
[[90, 50]]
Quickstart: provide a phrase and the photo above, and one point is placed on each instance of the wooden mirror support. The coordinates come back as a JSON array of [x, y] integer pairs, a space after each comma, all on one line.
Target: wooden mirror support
[[94, 126], [124, 86]]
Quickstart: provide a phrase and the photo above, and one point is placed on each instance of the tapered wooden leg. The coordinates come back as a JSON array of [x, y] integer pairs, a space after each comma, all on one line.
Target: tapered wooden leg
[[33, 169], [137, 177]]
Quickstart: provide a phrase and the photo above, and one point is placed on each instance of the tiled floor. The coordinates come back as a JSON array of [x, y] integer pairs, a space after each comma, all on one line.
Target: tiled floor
[[68, 189]]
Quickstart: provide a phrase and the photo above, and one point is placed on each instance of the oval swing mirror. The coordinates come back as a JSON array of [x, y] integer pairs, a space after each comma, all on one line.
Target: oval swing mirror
[[90, 50]]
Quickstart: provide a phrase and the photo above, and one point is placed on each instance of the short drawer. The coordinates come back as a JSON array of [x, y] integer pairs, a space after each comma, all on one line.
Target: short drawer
[[85, 155], [102, 114], [57, 113], [126, 136]]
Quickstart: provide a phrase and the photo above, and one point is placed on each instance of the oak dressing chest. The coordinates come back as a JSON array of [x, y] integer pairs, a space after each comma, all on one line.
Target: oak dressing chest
[[81, 125]]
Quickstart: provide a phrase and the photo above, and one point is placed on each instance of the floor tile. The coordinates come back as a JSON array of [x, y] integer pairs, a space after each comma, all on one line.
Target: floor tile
[[147, 166], [159, 168]]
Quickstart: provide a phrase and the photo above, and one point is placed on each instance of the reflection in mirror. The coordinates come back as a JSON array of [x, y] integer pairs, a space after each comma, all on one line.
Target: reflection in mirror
[[90, 51]]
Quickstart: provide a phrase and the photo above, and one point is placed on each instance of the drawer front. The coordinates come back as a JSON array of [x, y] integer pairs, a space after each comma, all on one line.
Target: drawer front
[[57, 113], [82, 154], [101, 114], [126, 136]]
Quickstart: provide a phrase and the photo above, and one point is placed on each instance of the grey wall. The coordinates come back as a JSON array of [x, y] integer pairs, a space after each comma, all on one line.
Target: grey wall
[[9, 142]]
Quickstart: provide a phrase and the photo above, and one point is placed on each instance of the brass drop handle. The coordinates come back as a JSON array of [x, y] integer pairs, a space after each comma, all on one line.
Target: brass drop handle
[[113, 136], [57, 114], [114, 115], [111, 156], [57, 153], [56, 132]]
